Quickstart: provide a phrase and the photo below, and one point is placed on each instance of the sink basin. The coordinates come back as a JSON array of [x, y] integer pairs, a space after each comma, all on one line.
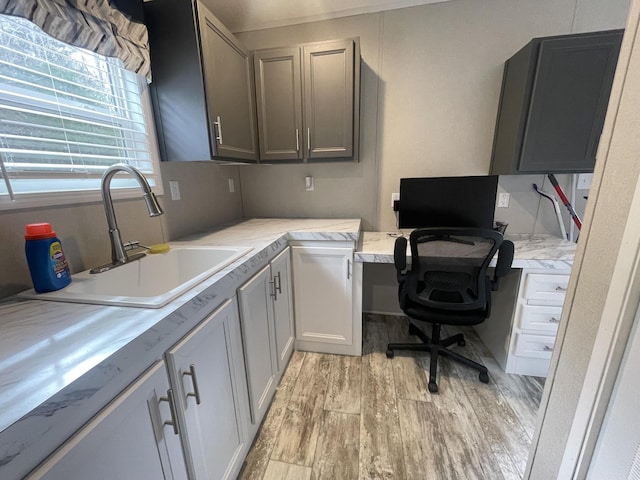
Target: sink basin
[[151, 282]]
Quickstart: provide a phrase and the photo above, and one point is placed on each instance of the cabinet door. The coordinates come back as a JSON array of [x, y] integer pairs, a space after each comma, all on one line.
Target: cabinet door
[[322, 287], [329, 99], [256, 316], [207, 371], [568, 103], [279, 103], [125, 440], [229, 93], [283, 308]]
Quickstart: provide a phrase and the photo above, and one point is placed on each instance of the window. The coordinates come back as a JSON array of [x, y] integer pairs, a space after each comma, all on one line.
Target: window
[[66, 114]]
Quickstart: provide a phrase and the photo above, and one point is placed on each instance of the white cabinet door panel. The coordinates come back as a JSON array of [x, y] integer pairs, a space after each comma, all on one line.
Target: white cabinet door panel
[[206, 368], [323, 294], [256, 314], [126, 440], [283, 308]]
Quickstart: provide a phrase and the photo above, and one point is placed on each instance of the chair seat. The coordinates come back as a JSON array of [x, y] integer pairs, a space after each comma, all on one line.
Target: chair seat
[[445, 317]]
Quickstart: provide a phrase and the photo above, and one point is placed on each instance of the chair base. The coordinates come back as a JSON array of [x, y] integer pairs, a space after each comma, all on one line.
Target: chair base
[[437, 347]]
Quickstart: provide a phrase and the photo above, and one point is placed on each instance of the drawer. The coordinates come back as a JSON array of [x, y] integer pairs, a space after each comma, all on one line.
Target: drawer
[[545, 289], [534, 346], [539, 319]]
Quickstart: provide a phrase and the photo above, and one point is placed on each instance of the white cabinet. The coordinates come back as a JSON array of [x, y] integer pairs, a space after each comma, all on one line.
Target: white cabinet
[[283, 308], [526, 310], [266, 318], [258, 338], [207, 370], [323, 291], [128, 439]]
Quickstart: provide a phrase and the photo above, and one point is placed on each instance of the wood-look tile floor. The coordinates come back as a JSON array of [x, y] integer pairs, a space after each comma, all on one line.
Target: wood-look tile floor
[[370, 417]]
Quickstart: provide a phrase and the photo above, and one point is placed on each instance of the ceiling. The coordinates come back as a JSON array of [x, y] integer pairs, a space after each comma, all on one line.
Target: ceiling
[[244, 15]]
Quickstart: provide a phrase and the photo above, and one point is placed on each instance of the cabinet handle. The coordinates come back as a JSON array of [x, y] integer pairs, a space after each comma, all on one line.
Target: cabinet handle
[[219, 124], [172, 410], [308, 141], [194, 382], [297, 140], [279, 287], [547, 348], [554, 320], [561, 289], [348, 268], [274, 292]]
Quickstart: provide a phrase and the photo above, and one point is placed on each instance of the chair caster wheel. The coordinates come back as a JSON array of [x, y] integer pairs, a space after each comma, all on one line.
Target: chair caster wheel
[[484, 377], [461, 342], [389, 353], [433, 387], [413, 330]]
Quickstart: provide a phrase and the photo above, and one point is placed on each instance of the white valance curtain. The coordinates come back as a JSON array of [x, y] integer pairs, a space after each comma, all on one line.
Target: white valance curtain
[[95, 25]]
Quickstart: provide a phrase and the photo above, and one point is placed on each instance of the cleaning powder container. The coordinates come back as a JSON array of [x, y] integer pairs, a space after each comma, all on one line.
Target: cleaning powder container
[[47, 263]]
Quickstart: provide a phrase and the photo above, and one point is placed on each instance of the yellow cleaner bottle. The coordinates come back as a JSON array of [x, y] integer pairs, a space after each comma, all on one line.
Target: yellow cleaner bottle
[[47, 263]]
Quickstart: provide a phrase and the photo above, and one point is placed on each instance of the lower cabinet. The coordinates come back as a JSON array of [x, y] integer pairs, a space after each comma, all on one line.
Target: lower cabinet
[[132, 438], [526, 311], [207, 370], [323, 289], [266, 317]]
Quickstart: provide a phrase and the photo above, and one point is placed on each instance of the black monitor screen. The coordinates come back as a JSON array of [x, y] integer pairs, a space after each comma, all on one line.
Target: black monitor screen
[[447, 202]]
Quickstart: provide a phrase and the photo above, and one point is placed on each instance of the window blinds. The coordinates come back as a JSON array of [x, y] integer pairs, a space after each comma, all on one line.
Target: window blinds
[[66, 114]]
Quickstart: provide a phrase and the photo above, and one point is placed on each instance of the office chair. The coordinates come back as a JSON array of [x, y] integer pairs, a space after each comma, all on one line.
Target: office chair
[[448, 284]]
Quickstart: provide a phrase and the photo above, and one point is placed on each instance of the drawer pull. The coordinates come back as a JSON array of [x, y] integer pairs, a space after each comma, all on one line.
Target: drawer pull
[[560, 288], [547, 348], [554, 320], [172, 409], [196, 392]]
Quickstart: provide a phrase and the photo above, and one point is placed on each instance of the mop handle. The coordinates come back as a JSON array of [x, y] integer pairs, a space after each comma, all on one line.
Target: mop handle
[[565, 200]]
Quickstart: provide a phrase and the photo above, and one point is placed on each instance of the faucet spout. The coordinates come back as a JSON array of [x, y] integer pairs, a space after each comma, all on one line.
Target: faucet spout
[[118, 254]]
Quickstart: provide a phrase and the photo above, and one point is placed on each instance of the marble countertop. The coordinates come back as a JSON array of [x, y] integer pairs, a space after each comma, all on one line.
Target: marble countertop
[[531, 250], [55, 357]]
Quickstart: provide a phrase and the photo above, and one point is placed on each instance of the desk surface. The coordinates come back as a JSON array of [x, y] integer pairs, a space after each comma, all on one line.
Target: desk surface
[[531, 250]]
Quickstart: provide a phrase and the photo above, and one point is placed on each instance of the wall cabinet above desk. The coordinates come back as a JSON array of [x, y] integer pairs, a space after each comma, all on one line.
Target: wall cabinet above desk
[[308, 101], [554, 98], [202, 85]]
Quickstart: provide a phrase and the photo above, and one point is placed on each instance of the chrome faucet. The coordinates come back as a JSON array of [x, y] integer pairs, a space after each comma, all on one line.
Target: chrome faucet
[[118, 254]]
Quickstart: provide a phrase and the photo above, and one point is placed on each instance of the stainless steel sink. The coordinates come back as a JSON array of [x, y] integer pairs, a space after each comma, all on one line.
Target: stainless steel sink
[[151, 282]]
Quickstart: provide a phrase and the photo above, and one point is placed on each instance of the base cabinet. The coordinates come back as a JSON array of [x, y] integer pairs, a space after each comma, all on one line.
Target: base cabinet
[[267, 331], [323, 291], [130, 438], [526, 311], [207, 370]]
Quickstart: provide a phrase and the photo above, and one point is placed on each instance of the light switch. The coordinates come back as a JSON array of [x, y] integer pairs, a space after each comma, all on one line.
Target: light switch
[[232, 186], [174, 186]]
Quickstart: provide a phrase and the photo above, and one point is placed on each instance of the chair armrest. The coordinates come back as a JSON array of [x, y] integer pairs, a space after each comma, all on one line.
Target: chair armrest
[[400, 256], [503, 265]]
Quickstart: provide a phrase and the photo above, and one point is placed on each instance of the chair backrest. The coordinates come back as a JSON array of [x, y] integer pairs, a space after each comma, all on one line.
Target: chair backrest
[[449, 268]]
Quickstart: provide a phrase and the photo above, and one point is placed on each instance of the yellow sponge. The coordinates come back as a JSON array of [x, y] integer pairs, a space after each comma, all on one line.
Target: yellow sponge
[[158, 248]]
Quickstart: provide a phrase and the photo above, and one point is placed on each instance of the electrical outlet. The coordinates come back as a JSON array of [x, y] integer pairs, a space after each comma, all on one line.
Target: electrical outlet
[[394, 198], [503, 200], [584, 181], [232, 186], [174, 186], [308, 184]]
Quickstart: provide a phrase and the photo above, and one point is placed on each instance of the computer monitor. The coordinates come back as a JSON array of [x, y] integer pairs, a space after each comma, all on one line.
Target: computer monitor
[[447, 202]]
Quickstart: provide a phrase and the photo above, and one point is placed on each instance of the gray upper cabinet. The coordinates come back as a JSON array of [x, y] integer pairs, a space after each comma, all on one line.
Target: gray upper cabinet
[[554, 99], [279, 103], [308, 101], [202, 85]]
